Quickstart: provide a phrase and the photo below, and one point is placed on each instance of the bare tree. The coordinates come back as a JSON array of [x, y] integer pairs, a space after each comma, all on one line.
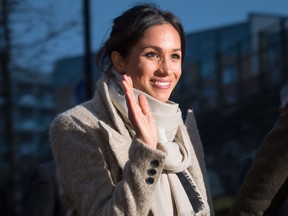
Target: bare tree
[[27, 35], [35, 33]]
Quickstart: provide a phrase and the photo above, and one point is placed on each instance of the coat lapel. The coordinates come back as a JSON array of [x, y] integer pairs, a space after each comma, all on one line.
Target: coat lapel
[[117, 134], [119, 144]]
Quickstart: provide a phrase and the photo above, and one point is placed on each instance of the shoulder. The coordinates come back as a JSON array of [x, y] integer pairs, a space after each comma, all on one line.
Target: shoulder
[[87, 113], [76, 115], [80, 122], [278, 135]]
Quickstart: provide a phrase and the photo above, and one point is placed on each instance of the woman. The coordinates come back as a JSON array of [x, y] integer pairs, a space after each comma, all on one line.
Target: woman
[[127, 151]]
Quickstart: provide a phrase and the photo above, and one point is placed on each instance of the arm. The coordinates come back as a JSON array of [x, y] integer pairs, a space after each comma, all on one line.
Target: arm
[[267, 174], [85, 174]]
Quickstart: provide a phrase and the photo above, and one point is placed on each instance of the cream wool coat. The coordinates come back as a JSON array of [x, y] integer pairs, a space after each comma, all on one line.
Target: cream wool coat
[[102, 170]]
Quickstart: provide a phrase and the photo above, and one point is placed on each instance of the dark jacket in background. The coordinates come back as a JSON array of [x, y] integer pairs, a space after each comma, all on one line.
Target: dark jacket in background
[[265, 186]]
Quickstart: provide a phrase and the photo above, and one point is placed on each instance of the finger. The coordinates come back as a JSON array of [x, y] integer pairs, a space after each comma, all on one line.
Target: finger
[[126, 83], [128, 87], [143, 104], [129, 94]]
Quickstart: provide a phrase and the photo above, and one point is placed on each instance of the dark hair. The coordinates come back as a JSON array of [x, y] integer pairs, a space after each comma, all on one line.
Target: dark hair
[[129, 28]]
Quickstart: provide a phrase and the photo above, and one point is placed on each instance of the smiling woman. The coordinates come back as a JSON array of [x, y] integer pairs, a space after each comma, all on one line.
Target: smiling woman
[[127, 151], [154, 63]]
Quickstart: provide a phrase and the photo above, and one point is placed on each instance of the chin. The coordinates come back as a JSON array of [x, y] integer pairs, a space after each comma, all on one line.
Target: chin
[[164, 100], [160, 97]]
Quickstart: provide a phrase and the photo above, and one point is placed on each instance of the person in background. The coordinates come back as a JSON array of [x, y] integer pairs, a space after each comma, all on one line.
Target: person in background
[[127, 151], [283, 98], [265, 187]]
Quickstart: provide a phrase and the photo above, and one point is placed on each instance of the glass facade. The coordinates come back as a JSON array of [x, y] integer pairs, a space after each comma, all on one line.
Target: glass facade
[[225, 67], [33, 109]]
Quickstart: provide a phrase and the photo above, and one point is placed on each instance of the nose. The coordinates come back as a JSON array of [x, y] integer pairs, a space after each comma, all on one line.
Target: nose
[[165, 68]]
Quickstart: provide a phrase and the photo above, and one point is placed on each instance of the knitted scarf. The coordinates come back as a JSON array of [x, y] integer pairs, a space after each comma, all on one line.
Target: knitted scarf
[[171, 194]]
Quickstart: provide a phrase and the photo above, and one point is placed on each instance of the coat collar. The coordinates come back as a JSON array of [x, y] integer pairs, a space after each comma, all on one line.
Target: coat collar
[[117, 134]]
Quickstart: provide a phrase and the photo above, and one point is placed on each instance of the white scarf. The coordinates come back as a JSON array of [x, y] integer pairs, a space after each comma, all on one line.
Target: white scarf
[[169, 194]]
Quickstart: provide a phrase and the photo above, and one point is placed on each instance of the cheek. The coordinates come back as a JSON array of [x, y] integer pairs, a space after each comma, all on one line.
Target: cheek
[[178, 71], [144, 70]]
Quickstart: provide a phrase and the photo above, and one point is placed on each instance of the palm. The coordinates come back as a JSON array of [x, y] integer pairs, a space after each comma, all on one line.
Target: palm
[[139, 115]]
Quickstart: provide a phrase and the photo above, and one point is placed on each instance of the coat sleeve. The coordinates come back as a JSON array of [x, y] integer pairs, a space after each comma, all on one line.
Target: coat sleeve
[[85, 177], [267, 174]]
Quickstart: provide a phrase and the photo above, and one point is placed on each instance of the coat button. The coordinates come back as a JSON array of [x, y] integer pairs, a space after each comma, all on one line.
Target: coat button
[[151, 172], [149, 181], [154, 163]]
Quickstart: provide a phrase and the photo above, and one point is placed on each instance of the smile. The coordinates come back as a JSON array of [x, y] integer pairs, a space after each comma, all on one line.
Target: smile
[[161, 84]]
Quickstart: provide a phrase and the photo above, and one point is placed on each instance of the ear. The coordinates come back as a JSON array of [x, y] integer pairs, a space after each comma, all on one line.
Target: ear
[[117, 61]]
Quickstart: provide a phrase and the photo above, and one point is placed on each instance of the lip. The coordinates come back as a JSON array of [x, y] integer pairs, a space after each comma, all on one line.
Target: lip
[[161, 84]]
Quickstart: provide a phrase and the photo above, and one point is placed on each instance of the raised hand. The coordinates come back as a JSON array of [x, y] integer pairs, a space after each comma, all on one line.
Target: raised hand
[[140, 115]]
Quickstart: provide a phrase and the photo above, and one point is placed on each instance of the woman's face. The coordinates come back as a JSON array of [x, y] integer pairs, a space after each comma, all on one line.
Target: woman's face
[[154, 63]]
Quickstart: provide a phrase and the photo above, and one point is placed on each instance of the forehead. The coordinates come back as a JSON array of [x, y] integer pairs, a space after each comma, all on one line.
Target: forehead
[[162, 34]]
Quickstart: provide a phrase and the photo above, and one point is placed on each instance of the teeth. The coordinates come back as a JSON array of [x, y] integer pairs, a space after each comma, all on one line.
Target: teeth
[[162, 83]]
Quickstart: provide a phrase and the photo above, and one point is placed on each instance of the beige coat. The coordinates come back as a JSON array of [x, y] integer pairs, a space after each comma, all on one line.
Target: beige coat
[[102, 170]]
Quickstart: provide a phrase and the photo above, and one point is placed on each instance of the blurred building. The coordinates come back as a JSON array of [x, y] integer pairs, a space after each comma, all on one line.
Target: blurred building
[[32, 109], [69, 82], [226, 64], [231, 78]]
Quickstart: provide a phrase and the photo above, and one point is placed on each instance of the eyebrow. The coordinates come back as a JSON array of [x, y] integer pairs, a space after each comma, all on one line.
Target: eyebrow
[[159, 48]]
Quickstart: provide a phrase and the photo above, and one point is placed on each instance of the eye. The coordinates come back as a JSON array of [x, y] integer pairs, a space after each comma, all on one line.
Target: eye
[[176, 56], [152, 55]]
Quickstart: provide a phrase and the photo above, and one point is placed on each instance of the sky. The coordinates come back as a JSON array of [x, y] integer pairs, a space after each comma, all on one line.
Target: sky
[[196, 15]]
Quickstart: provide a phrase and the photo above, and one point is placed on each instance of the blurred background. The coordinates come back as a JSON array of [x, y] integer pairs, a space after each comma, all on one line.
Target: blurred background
[[236, 62]]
